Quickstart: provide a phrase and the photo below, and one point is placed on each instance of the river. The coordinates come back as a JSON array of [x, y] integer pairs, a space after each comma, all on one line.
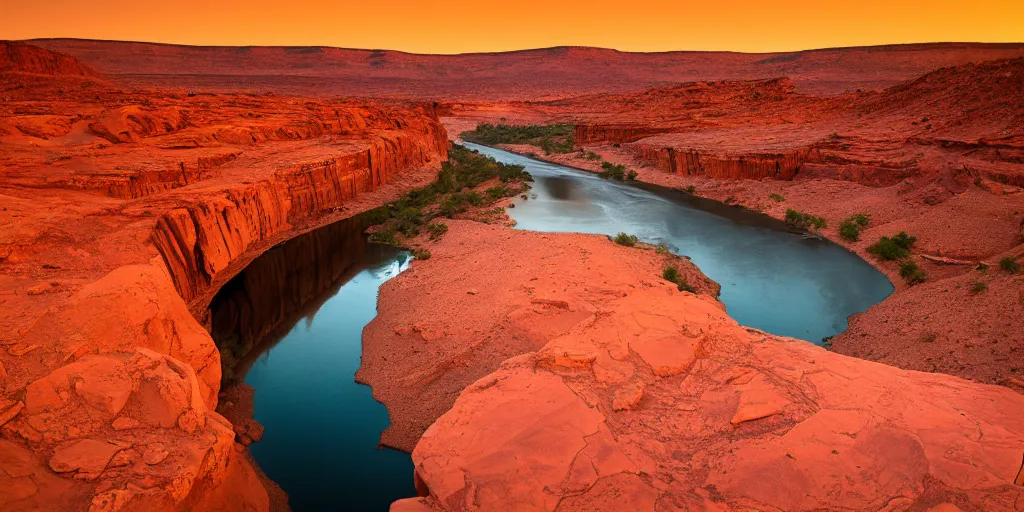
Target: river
[[295, 316]]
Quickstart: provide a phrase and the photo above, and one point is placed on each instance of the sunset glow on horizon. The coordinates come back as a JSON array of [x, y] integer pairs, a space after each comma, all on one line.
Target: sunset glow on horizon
[[462, 26]]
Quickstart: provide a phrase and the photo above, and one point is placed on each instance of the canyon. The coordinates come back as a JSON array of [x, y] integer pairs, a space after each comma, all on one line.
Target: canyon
[[522, 370], [123, 212]]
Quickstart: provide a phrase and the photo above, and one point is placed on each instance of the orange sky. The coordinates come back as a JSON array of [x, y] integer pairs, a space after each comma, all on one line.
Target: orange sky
[[471, 26]]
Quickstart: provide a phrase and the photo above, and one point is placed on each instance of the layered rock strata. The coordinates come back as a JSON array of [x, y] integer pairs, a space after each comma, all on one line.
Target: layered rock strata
[[116, 221]]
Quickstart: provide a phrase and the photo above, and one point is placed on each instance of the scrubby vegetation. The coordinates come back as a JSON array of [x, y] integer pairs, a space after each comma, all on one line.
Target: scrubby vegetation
[[804, 220], [448, 196], [1010, 265], [893, 248], [437, 230], [589, 155], [776, 197], [911, 273], [500, 191], [850, 228], [671, 273], [616, 172], [626, 239], [690, 189], [421, 253], [557, 138], [979, 287]]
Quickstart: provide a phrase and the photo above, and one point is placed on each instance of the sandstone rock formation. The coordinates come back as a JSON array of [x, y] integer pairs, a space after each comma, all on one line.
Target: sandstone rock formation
[[653, 399], [30, 59], [123, 210], [536, 291]]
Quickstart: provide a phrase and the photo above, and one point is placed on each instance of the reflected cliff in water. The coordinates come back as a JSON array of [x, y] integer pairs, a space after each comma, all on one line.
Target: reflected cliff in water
[[290, 325]]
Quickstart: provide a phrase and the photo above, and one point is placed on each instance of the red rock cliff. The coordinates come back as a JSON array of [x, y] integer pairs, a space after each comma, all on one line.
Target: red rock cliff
[[108, 384]]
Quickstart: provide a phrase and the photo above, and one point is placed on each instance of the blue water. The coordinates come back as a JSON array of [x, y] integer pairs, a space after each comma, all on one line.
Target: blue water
[[772, 279], [322, 428]]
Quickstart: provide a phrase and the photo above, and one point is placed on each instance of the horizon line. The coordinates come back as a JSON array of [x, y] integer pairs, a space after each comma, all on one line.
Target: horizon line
[[521, 50]]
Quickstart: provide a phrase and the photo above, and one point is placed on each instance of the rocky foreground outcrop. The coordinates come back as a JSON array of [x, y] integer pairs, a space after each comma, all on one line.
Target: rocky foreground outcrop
[[129, 209], [647, 398]]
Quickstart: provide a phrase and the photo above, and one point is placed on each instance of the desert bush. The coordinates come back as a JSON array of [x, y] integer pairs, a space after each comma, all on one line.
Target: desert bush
[[437, 230], [421, 253], [850, 228], [1010, 265], [613, 171], [690, 189], [979, 287], [911, 273], [804, 220], [776, 197], [500, 191], [384, 237], [894, 248], [671, 273], [558, 138], [626, 239]]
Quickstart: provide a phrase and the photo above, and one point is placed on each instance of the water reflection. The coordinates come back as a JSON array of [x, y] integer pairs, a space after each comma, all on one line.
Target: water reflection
[[771, 278], [291, 326]]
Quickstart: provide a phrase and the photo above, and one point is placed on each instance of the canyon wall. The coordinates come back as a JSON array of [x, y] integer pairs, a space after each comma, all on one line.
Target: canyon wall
[[694, 162], [613, 133], [108, 383], [199, 241]]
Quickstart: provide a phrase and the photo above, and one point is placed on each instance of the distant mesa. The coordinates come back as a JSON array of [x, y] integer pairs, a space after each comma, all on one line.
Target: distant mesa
[[25, 58]]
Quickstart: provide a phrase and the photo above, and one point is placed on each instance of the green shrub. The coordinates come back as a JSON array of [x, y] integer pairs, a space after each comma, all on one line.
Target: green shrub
[[776, 197], [589, 155], [895, 248], [465, 169], [421, 253], [983, 268], [671, 274], [500, 191], [979, 287], [804, 220], [850, 228], [690, 189], [1010, 265], [911, 273], [626, 239], [558, 138], [613, 171], [384, 237], [663, 248], [437, 230]]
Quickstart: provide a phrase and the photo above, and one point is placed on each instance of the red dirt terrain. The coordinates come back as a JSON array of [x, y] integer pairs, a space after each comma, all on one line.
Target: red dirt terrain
[[940, 157], [122, 209], [526, 75]]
